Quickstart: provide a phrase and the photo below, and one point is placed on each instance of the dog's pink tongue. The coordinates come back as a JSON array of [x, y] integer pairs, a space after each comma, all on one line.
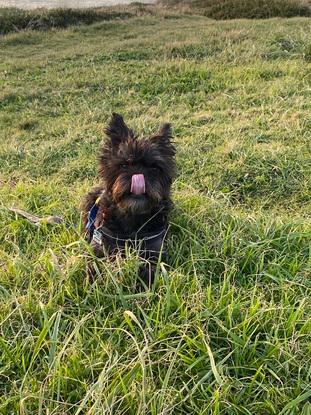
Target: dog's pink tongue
[[138, 184]]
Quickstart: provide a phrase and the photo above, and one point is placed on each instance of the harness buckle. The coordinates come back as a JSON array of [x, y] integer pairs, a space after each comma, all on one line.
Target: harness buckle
[[97, 237]]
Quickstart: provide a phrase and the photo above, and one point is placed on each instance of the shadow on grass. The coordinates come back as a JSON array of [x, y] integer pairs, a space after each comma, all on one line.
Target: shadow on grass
[[211, 241]]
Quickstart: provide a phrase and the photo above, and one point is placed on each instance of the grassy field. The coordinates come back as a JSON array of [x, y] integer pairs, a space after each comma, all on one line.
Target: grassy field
[[251, 9], [227, 328]]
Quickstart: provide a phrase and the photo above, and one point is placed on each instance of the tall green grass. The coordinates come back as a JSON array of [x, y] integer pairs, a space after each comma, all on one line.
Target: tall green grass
[[249, 9], [226, 328], [14, 20]]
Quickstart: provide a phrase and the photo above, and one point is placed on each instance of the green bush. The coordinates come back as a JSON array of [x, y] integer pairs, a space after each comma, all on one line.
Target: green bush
[[250, 9], [14, 20]]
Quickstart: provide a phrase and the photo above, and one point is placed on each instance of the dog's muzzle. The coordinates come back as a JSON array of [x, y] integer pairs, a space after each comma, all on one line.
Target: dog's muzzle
[[138, 186]]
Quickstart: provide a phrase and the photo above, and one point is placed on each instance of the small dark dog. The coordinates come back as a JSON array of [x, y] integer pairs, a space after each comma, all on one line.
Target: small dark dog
[[132, 204]]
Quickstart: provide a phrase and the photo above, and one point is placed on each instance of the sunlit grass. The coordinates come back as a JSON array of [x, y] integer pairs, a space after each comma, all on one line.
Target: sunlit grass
[[226, 328]]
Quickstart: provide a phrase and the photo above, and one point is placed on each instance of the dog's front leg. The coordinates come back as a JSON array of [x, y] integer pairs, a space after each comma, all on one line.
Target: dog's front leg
[[146, 275]]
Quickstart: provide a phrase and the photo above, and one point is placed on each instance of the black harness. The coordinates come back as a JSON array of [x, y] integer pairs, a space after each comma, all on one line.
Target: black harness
[[140, 240], [106, 238]]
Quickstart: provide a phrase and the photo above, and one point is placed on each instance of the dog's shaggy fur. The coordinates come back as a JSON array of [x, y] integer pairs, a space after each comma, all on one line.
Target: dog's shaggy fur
[[122, 212]]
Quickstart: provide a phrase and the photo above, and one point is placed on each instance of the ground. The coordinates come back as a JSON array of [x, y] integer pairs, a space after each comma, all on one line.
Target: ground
[[227, 328]]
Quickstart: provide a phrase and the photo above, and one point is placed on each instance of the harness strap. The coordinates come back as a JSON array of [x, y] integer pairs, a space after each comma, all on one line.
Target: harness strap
[[99, 233], [91, 216]]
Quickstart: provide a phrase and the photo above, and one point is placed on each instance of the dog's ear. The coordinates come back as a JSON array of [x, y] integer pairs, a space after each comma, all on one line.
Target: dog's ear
[[164, 135], [117, 131]]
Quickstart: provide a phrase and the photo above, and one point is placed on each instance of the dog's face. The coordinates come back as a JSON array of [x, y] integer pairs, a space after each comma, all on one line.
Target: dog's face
[[137, 173]]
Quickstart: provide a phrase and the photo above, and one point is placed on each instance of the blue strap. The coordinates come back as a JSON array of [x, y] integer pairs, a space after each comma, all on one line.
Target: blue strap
[[91, 216]]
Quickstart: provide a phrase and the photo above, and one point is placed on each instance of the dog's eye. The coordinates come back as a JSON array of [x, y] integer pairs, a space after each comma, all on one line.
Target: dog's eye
[[154, 167], [124, 166]]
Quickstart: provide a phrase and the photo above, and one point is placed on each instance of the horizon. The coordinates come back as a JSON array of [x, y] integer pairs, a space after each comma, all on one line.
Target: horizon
[[33, 4]]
